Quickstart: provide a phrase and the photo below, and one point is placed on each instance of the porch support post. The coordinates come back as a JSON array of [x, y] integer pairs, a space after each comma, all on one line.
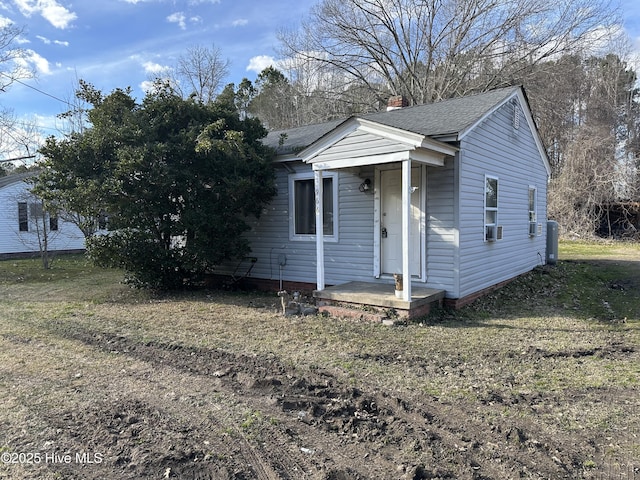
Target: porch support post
[[406, 229], [319, 195]]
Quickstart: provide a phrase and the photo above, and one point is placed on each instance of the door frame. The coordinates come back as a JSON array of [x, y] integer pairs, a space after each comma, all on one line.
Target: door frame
[[377, 220]]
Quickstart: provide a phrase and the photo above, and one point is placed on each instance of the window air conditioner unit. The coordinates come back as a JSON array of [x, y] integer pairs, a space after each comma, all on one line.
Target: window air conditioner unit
[[533, 229], [490, 234], [493, 233]]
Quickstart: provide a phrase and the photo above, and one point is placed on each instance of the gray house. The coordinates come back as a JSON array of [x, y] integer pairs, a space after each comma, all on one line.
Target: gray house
[[451, 195]]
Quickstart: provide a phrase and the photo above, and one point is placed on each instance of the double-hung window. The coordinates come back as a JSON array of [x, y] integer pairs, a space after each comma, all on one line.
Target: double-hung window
[[491, 230], [302, 205]]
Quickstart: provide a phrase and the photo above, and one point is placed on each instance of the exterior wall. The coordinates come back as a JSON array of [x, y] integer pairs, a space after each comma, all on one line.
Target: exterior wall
[[349, 258], [442, 234], [458, 259], [496, 148], [12, 240]]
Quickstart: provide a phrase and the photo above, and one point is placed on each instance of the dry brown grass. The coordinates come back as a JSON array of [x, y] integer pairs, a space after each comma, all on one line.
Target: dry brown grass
[[545, 357]]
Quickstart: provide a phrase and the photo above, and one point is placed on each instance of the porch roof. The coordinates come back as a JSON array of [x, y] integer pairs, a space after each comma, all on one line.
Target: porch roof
[[358, 142]]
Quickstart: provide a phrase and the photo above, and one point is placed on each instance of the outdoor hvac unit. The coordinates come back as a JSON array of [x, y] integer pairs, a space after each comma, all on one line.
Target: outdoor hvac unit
[[552, 242]]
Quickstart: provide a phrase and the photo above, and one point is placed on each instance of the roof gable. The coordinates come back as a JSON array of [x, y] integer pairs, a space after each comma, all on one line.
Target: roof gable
[[446, 121], [359, 141]]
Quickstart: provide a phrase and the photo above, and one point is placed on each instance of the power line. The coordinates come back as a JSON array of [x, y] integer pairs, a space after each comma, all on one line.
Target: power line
[[36, 89]]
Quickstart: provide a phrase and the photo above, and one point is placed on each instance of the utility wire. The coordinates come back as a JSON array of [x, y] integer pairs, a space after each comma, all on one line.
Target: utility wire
[[36, 89]]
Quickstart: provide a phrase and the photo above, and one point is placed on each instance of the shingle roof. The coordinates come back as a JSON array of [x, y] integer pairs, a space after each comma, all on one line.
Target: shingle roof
[[445, 118], [299, 137], [15, 178], [448, 117]]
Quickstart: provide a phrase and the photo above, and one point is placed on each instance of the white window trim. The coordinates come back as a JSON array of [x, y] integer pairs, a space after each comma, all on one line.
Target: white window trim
[[292, 229], [496, 225]]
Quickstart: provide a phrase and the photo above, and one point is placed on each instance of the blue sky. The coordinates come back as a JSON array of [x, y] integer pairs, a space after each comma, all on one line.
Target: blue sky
[[118, 43]]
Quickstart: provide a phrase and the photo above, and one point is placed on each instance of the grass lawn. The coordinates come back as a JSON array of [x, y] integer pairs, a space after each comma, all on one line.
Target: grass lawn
[[540, 379]]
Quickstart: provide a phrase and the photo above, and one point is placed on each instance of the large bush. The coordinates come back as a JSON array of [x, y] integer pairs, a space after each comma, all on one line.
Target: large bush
[[177, 178]]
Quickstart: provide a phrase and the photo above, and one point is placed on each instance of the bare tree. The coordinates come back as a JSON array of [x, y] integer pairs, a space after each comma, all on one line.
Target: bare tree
[[37, 225], [434, 49], [11, 68], [201, 72], [586, 183], [588, 119]]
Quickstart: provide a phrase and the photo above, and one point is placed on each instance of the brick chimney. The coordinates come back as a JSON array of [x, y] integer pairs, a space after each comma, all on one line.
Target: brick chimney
[[396, 102]]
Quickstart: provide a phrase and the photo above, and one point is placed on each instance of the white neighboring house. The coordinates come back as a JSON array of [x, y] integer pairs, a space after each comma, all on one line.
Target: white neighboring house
[[20, 235]]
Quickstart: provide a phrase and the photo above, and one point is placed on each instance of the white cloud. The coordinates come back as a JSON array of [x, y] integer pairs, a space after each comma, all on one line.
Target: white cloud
[[5, 22], [33, 60], [154, 68], [46, 41], [241, 22], [260, 62], [178, 18], [147, 86], [50, 10]]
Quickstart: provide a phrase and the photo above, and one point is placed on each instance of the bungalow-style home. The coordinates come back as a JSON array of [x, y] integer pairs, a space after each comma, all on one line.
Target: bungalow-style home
[[24, 225], [433, 202]]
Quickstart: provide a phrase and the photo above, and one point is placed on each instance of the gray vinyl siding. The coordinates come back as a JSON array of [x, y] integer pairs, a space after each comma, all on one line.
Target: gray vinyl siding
[[458, 259], [350, 258], [441, 227], [496, 149], [12, 240]]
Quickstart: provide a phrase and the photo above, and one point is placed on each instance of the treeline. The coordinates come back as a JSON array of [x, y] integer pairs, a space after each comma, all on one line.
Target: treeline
[[349, 56]]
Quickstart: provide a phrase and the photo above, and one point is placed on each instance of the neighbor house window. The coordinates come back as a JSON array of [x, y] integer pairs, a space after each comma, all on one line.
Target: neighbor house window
[[491, 232], [533, 216], [23, 217], [103, 221], [53, 224], [303, 206]]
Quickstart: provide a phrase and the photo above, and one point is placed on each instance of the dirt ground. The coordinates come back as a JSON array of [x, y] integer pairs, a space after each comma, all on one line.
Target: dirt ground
[[184, 424], [90, 393]]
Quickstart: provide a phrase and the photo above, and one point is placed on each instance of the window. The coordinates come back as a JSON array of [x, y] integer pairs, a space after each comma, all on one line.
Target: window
[[533, 216], [23, 217], [53, 224], [491, 229], [303, 206], [103, 221]]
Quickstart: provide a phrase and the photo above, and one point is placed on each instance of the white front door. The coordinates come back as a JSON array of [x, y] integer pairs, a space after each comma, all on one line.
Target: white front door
[[391, 222]]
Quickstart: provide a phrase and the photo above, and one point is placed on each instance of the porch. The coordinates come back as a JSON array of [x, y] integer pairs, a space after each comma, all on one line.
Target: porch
[[350, 299], [360, 143]]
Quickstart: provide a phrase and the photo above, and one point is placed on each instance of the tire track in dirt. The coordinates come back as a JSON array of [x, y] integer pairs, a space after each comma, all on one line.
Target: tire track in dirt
[[356, 434], [248, 457]]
